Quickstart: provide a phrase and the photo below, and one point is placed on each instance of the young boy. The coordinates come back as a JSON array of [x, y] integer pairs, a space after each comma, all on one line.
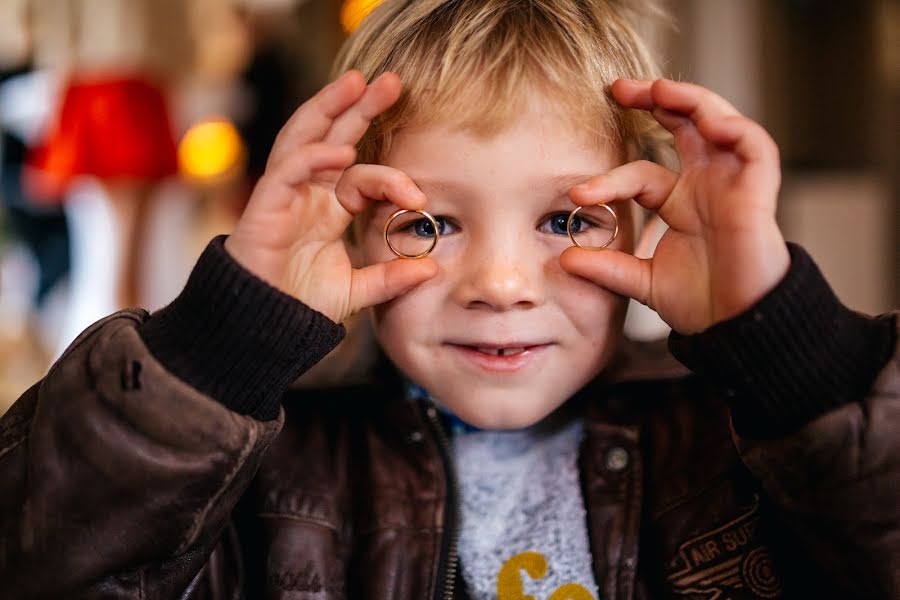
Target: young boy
[[509, 444]]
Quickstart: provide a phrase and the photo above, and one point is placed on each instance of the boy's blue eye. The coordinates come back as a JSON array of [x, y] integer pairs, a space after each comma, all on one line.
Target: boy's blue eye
[[424, 228], [557, 224], [590, 222]]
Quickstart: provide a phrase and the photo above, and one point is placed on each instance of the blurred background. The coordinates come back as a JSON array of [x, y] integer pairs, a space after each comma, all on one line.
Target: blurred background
[[134, 130]]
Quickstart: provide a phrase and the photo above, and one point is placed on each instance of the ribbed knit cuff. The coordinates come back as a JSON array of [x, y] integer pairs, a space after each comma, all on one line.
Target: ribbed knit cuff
[[793, 356], [236, 338]]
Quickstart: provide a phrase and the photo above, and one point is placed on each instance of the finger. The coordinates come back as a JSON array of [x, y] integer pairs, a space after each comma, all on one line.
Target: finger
[[616, 271], [648, 183], [689, 143], [679, 97], [638, 94], [679, 107], [384, 281], [299, 166], [360, 185], [380, 95], [633, 93], [745, 137], [314, 118], [690, 100]]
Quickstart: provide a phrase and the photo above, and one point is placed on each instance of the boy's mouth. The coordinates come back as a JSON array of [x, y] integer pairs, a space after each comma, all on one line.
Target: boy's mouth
[[500, 351], [500, 358]]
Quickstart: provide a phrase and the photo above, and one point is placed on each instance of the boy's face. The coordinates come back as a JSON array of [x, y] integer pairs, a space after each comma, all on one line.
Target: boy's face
[[500, 284]]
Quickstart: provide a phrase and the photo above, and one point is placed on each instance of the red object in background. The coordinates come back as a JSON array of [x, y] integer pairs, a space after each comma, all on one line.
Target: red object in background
[[110, 128]]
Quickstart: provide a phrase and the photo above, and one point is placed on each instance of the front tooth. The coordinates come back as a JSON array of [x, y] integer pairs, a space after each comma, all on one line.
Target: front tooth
[[510, 351], [491, 351]]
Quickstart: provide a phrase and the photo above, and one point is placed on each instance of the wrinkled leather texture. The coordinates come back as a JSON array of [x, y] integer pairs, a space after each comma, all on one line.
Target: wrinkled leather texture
[[120, 481]]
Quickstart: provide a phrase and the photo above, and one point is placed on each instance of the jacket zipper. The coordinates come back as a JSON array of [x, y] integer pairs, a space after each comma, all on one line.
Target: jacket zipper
[[449, 561]]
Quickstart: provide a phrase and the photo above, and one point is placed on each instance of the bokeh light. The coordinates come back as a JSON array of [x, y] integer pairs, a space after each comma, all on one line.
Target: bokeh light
[[354, 11], [210, 151]]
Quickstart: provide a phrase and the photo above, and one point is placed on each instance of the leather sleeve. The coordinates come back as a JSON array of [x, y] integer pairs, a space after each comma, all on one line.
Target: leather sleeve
[[837, 482], [120, 469], [117, 477], [814, 393]]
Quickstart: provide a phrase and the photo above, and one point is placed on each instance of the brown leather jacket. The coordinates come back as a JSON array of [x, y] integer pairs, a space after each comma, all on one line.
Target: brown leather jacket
[[120, 480]]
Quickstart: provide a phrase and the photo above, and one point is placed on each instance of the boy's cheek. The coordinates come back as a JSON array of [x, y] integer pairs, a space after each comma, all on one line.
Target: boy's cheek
[[597, 314], [411, 311]]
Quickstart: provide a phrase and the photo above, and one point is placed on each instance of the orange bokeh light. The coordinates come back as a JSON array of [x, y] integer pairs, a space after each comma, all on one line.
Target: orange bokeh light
[[210, 151], [354, 11]]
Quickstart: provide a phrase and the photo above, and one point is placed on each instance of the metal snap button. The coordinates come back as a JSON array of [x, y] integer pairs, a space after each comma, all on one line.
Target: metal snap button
[[616, 458]]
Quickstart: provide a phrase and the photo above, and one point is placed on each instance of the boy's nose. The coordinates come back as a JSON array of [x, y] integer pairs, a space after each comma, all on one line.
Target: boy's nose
[[498, 280]]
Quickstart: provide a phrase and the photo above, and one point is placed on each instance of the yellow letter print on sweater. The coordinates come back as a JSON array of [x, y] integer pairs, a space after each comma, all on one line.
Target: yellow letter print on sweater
[[509, 582]]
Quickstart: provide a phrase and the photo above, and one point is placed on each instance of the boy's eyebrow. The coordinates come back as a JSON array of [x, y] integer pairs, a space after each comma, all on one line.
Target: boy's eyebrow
[[563, 183], [557, 184], [440, 185]]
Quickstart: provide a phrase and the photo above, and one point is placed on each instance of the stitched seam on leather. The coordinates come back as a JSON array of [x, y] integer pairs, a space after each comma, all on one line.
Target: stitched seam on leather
[[194, 531], [13, 446], [681, 501], [274, 507], [302, 519], [132, 314], [862, 437], [372, 530], [633, 484], [335, 528], [622, 539]]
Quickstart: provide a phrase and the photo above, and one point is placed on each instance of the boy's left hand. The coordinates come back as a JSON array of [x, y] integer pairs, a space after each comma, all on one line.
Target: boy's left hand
[[723, 250]]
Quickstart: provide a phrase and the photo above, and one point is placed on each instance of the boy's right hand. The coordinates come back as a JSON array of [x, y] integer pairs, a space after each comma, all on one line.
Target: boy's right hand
[[290, 234]]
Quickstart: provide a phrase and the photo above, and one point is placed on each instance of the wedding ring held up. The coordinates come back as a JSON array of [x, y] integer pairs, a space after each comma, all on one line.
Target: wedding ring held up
[[434, 240], [437, 232], [608, 242]]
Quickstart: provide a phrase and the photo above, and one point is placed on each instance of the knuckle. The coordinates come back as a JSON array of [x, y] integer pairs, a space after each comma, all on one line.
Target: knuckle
[[766, 139], [645, 165], [400, 182], [308, 152], [353, 173], [774, 150], [744, 122], [366, 111], [344, 184], [760, 136], [273, 165]]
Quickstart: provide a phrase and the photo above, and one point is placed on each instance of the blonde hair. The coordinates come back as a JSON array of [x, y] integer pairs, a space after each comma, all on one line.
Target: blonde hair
[[468, 62]]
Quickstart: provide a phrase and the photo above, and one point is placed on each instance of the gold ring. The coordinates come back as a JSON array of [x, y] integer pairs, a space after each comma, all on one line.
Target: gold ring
[[434, 241], [608, 242]]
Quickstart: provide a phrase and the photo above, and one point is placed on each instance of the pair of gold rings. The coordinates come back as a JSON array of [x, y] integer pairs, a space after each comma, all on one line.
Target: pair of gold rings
[[603, 228]]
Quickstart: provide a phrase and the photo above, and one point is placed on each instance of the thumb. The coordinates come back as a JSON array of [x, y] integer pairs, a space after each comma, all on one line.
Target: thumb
[[616, 271], [384, 281]]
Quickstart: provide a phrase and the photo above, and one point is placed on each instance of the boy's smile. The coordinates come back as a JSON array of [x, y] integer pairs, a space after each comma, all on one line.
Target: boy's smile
[[502, 335]]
